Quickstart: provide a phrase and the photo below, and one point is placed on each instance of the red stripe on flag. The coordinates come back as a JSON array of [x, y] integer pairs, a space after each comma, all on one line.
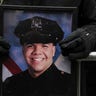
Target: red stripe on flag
[[12, 66]]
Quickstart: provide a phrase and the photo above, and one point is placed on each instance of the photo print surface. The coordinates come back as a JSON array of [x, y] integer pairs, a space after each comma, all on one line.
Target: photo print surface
[[16, 60]]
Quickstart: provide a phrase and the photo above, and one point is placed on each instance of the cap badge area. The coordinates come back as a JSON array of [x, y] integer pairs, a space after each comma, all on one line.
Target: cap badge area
[[36, 23]]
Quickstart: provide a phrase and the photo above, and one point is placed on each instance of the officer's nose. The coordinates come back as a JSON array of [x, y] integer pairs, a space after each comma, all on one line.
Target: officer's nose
[[37, 50]]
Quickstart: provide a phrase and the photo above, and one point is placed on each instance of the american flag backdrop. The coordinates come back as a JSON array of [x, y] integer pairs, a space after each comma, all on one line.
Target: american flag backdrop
[[16, 62]]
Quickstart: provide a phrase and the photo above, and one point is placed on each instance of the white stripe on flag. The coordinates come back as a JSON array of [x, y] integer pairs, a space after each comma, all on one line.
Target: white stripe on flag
[[63, 64], [5, 72]]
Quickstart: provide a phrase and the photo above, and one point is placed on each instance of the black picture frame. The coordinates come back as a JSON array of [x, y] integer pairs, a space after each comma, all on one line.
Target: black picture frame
[[38, 9], [86, 75]]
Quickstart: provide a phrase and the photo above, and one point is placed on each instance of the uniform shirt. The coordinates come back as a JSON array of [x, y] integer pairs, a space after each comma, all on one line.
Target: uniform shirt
[[50, 83]]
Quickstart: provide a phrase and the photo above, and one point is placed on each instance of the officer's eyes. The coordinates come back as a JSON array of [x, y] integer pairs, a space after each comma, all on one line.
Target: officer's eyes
[[45, 45], [29, 45], [33, 46]]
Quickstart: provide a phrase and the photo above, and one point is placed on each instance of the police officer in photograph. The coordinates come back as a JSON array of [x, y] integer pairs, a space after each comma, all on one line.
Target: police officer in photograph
[[39, 37]]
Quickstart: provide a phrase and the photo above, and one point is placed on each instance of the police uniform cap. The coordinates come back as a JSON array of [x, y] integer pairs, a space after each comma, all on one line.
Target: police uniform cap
[[38, 30]]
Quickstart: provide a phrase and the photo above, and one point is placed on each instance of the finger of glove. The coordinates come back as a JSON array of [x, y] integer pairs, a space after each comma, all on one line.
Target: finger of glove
[[79, 55], [3, 50], [87, 46], [66, 51], [71, 37], [4, 44], [79, 48], [72, 44]]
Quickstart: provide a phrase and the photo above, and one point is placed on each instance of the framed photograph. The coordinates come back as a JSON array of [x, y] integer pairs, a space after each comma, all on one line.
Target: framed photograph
[[66, 17]]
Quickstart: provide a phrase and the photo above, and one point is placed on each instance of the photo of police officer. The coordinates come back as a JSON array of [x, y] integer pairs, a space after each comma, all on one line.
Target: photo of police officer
[[11, 19], [39, 37]]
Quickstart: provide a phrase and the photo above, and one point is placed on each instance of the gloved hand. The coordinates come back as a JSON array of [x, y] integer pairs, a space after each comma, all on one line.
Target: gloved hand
[[79, 44], [4, 49]]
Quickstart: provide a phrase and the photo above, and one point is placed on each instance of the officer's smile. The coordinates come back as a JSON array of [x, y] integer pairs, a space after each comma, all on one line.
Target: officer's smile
[[37, 60]]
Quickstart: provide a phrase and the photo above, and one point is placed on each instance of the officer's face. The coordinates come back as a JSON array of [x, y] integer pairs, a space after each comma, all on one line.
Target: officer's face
[[39, 56]]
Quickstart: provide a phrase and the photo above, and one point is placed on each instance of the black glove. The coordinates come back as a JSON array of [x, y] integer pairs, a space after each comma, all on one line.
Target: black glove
[[79, 44], [4, 49]]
